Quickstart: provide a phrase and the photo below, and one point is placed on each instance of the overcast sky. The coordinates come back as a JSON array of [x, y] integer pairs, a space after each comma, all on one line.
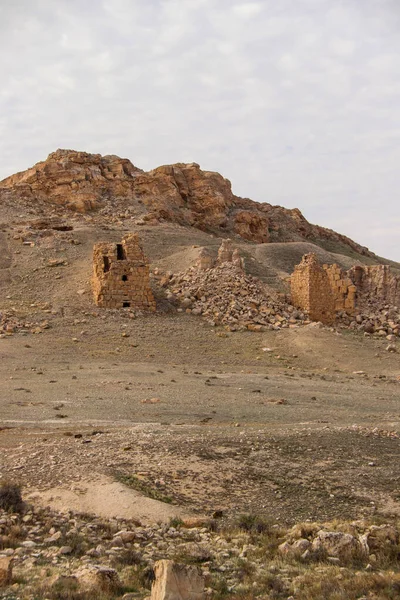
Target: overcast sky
[[297, 102]]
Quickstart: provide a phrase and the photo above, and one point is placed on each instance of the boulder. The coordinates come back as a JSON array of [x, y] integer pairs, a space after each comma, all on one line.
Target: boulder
[[297, 548], [98, 578], [5, 570], [381, 536], [338, 544], [177, 582]]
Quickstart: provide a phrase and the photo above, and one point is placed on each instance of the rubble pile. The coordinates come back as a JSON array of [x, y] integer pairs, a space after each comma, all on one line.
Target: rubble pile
[[225, 295], [383, 323]]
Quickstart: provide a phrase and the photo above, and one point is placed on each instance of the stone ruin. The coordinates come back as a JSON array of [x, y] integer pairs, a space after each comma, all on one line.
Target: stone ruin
[[121, 275], [376, 285], [227, 253], [311, 290], [324, 291]]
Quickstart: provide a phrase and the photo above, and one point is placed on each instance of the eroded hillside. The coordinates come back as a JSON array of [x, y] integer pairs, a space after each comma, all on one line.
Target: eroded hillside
[[179, 193]]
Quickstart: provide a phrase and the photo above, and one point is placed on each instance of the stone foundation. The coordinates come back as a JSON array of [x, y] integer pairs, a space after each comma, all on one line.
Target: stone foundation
[[121, 275]]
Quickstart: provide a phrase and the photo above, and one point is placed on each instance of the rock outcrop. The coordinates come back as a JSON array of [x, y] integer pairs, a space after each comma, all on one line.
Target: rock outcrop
[[180, 193]]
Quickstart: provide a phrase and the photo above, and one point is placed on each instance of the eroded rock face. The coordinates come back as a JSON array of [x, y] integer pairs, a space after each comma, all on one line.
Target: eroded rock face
[[181, 193], [76, 180]]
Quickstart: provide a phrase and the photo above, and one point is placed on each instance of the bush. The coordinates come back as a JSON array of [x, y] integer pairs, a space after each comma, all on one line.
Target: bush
[[253, 524], [10, 497]]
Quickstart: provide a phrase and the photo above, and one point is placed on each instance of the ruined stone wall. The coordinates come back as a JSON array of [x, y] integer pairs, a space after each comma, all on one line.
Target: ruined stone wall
[[311, 290], [121, 275], [376, 285], [323, 292], [343, 289]]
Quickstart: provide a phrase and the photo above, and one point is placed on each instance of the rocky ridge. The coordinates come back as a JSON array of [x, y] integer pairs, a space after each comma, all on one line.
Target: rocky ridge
[[179, 193]]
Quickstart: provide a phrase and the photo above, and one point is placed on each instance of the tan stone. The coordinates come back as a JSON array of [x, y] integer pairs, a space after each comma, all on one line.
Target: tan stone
[[98, 578], [205, 260], [311, 290], [5, 570], [376, 284], [225, 251], [339, 282], [121, 275], [177, 582], [337, 544]]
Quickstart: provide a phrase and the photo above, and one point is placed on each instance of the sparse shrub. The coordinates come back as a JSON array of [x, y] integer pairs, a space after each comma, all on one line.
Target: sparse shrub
[[175, 522], [244, 569], [128, 557], [253, 523], [11, 497], [220, 588], [272, 584], [351, 587]]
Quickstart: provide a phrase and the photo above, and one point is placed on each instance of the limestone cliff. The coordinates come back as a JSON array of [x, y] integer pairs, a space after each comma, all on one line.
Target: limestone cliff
[[180, 193]]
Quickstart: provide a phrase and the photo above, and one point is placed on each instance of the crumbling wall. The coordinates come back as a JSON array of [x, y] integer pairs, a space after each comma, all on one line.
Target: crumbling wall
[[311, 290], [227, 253], [343, 288], [325, 291], [121, 275], [376, 285]]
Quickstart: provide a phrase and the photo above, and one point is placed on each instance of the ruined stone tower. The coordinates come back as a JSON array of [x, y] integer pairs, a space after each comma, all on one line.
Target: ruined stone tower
[[311, 290], [121, 275]]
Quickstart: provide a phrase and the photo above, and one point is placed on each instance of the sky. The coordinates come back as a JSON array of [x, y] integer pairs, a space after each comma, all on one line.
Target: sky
[[297, 102]]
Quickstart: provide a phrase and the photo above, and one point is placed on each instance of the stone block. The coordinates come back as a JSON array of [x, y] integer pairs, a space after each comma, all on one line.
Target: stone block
[[5, 570], [177, 582]]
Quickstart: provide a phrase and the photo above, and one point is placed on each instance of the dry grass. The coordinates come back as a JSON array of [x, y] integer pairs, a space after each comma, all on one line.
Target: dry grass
[[348, 586]]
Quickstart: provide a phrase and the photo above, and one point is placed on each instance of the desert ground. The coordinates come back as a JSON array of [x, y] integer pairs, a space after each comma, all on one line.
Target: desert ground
[[301, 423], [155, 419]]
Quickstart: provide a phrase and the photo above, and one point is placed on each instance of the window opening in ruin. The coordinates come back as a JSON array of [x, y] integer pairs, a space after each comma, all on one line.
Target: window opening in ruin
[[124, 277], [120, 252], [126, 304], [106, 261]]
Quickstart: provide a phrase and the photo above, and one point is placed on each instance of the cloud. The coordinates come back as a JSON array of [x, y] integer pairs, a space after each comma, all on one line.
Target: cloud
[[248, 9], [295, 101]]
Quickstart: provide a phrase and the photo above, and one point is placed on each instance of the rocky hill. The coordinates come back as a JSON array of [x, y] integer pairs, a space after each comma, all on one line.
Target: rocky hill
[[180, 193]]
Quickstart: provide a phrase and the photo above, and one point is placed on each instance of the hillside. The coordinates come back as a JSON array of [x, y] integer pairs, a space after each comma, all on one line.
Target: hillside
[[226, 410], [113, 188]]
